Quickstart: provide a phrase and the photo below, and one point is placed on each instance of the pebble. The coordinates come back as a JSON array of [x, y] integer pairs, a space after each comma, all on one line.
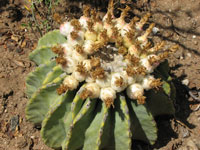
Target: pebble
[[155, 30], [14, 122], [194, 36], [186, 133], [189, 54], [181, 57], [185, 82], [32, 137]]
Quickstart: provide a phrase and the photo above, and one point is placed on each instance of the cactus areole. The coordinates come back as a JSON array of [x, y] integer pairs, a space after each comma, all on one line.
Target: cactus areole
[[99, 83]]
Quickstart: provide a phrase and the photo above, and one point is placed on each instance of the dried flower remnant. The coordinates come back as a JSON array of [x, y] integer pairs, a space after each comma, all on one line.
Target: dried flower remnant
[[98, 73], [62, 89], [61, 60], [85, 94], [74, 35], [81, 68], [156, 84], [76, 24], [95, 62], [79, 49], [58, 49]]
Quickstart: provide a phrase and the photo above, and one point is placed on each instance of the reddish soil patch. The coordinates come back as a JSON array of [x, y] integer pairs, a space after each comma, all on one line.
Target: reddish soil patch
[[177, 21]]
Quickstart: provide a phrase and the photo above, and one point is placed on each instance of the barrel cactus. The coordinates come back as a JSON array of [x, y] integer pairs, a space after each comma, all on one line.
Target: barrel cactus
[[99, 83]]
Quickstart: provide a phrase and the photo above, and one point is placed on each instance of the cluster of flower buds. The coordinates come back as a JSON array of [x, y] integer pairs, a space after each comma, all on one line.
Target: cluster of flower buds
[[109, 55]]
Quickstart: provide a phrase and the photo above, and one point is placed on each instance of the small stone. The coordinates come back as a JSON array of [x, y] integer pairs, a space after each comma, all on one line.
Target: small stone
[[189, 54], [32, 137], [15, 38], [194, 36], [14, 122], [186, 134], [155, 30], [185, 82]]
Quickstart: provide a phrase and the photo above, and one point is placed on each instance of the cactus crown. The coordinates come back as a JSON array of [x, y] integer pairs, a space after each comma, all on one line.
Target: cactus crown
[[99, 80]]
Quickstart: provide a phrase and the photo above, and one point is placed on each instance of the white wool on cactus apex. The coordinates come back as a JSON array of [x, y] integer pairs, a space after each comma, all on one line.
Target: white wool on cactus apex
[[88, 46], [90, 35], [68, 49], [78, 40], [87, 64], [70, 66], [110, 54], [78, 57], [66, 28], [145, 62], [83, 21]]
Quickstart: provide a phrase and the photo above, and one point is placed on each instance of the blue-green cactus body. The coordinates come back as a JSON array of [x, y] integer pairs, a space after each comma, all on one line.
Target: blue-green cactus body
[[71, 123]]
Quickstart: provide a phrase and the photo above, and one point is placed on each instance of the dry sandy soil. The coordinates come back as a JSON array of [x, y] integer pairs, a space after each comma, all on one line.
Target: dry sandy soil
[[178, 21]]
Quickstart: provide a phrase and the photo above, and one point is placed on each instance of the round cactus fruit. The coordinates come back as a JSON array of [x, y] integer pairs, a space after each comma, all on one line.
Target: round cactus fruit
[[99, 83]]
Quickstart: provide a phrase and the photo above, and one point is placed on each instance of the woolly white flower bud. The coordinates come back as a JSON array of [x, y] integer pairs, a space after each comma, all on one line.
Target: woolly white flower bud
[[94, 89], [146, 84], [66, 28], [78, 76], [105, 82], [83, 21], [71, 64], [71, 82], [89, 79], [68, 48], [126, 28], [130, 79], [145, 62], [88, 46], [134, 91], [120, 23], [108, 95], [154, 65], [79, 40], [98, 26], [143, 40], [90, 36], [118, 82], [133, 50], [87, 64], [108, 27], [78, 57], [127, 41]]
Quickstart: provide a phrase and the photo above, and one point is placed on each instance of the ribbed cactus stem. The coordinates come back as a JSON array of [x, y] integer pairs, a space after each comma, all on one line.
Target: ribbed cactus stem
[[99, 83]]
